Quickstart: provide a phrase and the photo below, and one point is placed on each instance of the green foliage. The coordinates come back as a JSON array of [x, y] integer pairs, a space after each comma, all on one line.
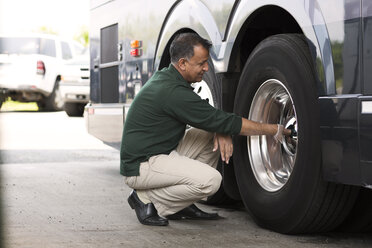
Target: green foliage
[[337, 51], [46, 30], [83, 36]]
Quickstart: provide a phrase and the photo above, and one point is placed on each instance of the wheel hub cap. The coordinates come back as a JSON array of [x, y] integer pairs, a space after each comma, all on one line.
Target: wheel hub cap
[[272, 162]]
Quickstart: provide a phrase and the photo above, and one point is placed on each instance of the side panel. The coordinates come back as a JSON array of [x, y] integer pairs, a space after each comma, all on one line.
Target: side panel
[[339, 114], [137, 20], [367, 46], [339, 131], [115, 74], [220, 10], [344, 28], [140, 20], [365, 121]]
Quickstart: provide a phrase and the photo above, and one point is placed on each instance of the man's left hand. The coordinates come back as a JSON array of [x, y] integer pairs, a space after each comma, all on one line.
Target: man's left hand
[[224, 142]]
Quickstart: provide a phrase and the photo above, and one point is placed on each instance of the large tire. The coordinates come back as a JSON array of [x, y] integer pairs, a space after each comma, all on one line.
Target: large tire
[[74, 109], [54, 101], [281, 185], [210, 89]]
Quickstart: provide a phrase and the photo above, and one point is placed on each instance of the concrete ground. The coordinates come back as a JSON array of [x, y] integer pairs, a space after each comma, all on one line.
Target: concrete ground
[[62, 188]]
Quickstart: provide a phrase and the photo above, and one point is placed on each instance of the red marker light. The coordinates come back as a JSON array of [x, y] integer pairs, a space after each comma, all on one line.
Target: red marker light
[[135, 52], [40, 68]]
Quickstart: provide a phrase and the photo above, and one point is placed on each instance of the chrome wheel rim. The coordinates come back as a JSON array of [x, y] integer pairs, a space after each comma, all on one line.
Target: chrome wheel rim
[[272, 162], [202, 89]]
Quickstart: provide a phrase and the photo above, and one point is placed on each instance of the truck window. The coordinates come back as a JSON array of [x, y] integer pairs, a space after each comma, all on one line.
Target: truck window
[[47, 47], [79, 50], [19, 45], [109, 44], [66, 50]]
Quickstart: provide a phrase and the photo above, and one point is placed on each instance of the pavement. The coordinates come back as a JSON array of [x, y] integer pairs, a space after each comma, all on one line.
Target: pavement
[[62, 188]]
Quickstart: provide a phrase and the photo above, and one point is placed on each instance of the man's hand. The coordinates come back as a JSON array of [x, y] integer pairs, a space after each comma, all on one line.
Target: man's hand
[[224, 142], [281, 132]]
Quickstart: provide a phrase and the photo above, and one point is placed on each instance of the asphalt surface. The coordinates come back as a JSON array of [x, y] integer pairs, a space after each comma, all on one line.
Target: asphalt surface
[[61, 188]]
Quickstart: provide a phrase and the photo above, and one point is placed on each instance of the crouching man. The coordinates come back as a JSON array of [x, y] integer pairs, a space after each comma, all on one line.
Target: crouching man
[[170, 169]]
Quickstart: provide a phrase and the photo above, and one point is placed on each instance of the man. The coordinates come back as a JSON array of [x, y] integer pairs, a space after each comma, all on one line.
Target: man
[[169, 169]]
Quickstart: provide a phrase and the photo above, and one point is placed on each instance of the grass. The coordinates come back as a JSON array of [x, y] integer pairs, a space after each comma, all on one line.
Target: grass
[[10, 105]]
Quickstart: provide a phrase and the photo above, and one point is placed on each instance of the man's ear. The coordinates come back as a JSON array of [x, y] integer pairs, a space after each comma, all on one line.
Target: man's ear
[[182, 64]]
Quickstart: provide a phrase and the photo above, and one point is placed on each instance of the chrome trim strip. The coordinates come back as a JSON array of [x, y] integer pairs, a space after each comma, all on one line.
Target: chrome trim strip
[[108, 111], [340, 96], [105, 65]]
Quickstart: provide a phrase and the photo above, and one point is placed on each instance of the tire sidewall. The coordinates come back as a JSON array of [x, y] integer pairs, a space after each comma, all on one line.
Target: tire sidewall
[[274, 59], [214, 84]]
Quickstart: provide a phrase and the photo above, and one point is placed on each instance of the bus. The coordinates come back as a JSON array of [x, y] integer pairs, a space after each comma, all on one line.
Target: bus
[[296, 62]]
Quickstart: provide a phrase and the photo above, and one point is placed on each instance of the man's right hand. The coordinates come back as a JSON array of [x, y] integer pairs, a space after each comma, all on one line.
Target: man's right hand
[[283, 132]]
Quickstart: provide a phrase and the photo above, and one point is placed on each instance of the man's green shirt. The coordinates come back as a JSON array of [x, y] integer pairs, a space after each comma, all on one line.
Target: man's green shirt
[[157, 118]]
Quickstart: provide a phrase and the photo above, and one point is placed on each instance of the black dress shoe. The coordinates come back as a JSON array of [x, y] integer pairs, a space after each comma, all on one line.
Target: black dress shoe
[[192, 212], [146, 213]]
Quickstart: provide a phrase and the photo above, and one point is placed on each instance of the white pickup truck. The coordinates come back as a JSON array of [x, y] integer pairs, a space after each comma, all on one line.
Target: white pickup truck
[[74, 85], [30, 68]]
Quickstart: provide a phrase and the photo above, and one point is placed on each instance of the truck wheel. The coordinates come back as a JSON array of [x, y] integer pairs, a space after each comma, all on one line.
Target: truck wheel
[[74, 109], [54, 101], [210, 89], [281, 184]]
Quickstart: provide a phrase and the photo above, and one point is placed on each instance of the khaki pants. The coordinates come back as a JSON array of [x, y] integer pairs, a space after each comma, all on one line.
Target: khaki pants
[[175, 181]]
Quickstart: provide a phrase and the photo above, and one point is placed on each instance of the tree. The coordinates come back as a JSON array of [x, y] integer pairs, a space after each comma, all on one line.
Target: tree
[[46, 30], [83, 36]]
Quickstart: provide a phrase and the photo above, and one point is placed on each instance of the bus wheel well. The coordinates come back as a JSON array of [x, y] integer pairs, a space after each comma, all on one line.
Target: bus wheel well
[[165, 58], [264, 22]]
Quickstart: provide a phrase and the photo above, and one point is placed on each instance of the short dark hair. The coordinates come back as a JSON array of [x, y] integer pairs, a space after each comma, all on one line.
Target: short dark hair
[[183, 46]]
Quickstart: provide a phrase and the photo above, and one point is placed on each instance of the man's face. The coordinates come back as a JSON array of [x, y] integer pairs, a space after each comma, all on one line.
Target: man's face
[[196, 65]]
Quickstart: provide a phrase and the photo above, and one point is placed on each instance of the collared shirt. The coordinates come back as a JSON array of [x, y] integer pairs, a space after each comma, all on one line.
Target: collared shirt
[[157, 119]]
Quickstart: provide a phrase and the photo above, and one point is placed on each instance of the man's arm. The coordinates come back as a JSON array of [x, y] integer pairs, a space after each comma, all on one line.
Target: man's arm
[[254, 128], [224, 142]]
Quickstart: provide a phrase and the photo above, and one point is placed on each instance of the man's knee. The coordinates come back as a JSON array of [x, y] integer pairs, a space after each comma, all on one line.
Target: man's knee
[[129, 181], [214, 183]]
